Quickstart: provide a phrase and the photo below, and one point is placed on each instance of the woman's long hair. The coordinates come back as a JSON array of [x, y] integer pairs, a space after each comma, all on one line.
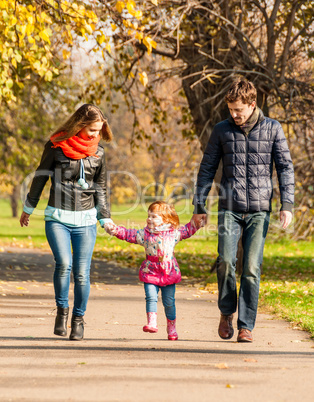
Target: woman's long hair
[[85, 115]]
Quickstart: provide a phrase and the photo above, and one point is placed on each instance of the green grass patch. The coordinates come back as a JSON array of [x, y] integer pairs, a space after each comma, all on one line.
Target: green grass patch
[[287, 279], [287, 282], [293, 301]]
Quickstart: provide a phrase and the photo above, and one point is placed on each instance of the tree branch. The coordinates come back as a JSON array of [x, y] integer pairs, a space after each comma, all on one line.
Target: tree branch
[[273, 15], [287, 42], [228, 22], [263, 10]]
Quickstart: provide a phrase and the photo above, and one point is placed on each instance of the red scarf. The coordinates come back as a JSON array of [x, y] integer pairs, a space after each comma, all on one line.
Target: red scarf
[[75, 147]]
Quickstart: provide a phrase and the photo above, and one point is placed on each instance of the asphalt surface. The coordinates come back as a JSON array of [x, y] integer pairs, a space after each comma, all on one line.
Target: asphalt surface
[[117, 361]]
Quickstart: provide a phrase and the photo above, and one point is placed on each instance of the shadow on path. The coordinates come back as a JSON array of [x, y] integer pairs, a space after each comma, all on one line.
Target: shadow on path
[[72, 347], [37, 265]]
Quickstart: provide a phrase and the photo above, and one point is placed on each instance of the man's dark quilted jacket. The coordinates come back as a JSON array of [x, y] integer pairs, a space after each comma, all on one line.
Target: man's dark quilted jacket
[[246, 184]]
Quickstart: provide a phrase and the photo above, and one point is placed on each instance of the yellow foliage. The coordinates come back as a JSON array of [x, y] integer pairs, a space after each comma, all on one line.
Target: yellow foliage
[[130, 5], [138, 14], [120, 6], [29, 34], [122, 195], [65, 54], [44, 35], [48, 76], [101, 39], [143, 78], [27, 27], [149, 43], [139, 36]]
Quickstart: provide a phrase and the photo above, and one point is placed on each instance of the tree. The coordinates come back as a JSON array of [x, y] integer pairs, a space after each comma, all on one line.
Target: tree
[[25, 126], [205, 43], [30, 36], [159, 166], [268, 41], [36, 39]]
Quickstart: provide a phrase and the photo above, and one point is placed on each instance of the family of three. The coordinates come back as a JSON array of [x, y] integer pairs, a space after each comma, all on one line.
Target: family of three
[[247, 143]]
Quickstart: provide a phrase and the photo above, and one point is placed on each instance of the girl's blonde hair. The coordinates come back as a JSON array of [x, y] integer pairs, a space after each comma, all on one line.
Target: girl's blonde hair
[[85, 115], [166, 211]]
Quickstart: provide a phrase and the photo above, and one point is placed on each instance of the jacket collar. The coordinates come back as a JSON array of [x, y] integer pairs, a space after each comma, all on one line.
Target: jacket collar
[[260, 118], [159, 229]]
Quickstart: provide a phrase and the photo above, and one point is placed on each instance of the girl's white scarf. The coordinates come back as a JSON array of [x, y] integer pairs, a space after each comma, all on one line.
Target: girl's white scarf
[[162, 228]]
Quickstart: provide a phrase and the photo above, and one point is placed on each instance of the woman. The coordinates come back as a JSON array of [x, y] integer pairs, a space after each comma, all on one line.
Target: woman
[[75, 162]]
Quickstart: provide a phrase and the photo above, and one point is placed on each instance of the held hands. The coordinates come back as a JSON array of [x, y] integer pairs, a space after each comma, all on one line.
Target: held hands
[[110, 228], [199, 220], [24, 219]]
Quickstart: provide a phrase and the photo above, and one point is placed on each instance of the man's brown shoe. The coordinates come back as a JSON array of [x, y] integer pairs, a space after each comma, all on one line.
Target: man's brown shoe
[[245, 335], [225, 329]]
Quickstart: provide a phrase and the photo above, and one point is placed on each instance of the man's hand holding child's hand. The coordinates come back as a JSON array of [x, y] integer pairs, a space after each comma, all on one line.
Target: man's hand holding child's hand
[[199, 220]]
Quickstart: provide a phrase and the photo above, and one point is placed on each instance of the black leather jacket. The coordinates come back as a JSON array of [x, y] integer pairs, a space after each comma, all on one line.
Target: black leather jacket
[[65, 193], [246, 184]]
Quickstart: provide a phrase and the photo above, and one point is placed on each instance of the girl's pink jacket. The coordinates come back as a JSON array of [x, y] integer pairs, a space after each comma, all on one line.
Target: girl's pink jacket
[[160, 266]]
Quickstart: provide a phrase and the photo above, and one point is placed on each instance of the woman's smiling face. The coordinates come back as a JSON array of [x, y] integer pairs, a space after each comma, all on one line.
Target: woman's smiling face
[[91, 131]]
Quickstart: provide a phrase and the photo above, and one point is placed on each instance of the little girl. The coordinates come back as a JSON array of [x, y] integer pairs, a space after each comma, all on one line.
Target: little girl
[[160, 269]]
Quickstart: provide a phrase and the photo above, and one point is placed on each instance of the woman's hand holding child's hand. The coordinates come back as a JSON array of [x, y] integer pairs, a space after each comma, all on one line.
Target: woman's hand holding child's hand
[[110, 228]]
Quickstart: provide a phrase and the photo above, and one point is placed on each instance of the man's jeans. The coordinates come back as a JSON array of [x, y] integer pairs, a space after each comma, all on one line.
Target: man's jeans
[[230, 225], [168, 299], [60, 237]]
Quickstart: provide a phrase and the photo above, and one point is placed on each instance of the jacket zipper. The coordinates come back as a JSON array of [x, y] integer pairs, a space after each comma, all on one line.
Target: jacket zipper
[[74, 187], [246, 169]]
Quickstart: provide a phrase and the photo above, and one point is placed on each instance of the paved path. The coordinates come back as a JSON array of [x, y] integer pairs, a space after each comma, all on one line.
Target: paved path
[[118, 362]]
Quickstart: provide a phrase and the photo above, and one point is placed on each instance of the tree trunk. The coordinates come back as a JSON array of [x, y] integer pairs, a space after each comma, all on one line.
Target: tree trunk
[[14, 199]]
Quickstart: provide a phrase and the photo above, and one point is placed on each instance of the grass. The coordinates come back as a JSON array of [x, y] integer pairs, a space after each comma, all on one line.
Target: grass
[[287, 280]]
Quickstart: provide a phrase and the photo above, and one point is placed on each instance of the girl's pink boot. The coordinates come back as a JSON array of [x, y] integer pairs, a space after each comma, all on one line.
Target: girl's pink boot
[[171, 330], [151, 323]]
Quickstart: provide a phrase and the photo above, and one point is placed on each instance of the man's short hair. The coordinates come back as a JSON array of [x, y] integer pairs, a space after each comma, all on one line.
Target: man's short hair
[[243, 90]]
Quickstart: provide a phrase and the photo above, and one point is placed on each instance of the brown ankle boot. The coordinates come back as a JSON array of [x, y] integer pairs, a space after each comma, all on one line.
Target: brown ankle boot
[[225, 329]]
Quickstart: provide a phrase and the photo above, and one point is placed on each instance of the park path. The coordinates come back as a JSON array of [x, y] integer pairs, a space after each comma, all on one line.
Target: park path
[[118, 362]]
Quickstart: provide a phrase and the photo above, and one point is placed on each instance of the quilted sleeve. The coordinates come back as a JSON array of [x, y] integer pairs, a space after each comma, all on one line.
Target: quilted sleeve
[[285, 171], [207, 171]]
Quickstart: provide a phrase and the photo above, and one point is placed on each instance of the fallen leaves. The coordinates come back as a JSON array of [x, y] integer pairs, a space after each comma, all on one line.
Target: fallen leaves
[[222, 366]]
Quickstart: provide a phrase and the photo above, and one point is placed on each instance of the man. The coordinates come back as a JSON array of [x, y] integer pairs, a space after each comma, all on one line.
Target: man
[[248, 144]]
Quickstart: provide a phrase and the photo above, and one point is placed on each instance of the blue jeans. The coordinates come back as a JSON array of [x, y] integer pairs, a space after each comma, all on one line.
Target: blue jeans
[[230, 226], [60, 238], [168, 299]]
